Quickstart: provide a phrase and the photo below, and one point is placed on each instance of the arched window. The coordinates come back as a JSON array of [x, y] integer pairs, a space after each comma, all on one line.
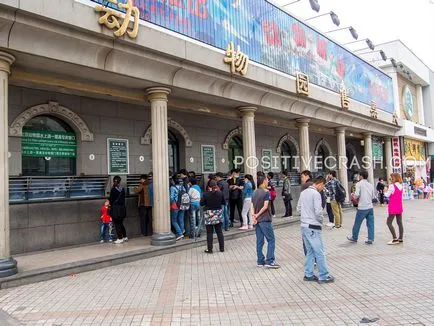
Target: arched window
[[173, 153], [48, 147], [287, 153], [323, 153], [235, 147]]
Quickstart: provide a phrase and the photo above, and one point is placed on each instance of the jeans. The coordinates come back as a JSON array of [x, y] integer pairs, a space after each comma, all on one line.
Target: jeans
[[265, 229], [209, 234], [225, 209], [145, 215], [360, 216], [246, 212], [312, 239], [177, 217], [195, 221], [330, 213], [105, 227]]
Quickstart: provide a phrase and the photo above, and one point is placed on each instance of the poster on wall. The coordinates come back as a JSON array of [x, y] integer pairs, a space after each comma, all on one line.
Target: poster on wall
[[271, 37], [118, 156], [377, 150], [208, 158], [266, 160], [48, 144]]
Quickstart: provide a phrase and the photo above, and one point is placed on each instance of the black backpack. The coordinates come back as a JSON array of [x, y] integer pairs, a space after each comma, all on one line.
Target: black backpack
[[340, 192]]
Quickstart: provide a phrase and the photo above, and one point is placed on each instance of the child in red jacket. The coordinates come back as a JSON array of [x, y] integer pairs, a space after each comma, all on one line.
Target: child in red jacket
[[106, 222]]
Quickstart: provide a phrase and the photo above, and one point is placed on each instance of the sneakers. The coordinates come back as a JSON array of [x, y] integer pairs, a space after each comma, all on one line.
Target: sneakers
[[118, 241], [207, 251], [125, 239], [393, 242], [250, 227], [101, 241], [400, 240], [245, 227], [310, 278], [260, 265], [179, 237], [272, 266], [351, 239], [369, 242], [330, 224], [328, 279], [273, 216], [110, 240]]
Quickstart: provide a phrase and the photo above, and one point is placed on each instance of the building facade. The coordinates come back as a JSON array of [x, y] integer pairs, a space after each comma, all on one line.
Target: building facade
[[92, 89]]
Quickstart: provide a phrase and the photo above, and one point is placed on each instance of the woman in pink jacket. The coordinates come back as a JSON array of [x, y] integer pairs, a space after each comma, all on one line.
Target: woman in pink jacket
[[394, 193]]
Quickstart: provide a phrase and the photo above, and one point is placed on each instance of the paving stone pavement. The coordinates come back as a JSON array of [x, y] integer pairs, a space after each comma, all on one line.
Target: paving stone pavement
[[393, 283]]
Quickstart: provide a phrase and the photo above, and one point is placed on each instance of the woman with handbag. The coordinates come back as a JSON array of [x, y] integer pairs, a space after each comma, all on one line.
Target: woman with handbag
[[118, 209], [212, 201]]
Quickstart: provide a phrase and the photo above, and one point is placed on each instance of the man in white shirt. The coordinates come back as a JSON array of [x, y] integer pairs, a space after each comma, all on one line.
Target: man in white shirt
[[365, 192]]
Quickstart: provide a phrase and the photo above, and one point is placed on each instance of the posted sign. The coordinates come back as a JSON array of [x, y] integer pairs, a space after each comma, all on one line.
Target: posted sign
[[208, 158], [42, 143], [118, 156]]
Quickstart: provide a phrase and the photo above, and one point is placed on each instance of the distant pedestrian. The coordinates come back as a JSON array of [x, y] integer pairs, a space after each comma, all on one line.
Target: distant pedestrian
[[212, 201], [380, 189], [365, 192], [262, 219], [145, 192], [118, 209], [179, 204], [248, 188], [310, 209], [273, 192], [395, 207], [337, 197], [286, 194], [224, 187], [106, 222], [235, 196], [195, 217]]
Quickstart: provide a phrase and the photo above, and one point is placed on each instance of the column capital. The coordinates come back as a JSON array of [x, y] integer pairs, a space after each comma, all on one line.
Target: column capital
[[303, 122], [6, 60], [339, 130], [367, 134], [247, 110], [157, 93], [388, 138]]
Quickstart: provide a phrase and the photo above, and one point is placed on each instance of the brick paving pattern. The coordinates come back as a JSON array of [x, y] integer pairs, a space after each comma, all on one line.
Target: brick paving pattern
[[393, 283]]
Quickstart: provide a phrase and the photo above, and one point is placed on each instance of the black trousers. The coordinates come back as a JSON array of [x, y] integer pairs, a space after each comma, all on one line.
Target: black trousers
[[330, 213], [381, 198], [120, 228], [209, 236], [400, 227], [273, 211], [145, 215], [238, 203], [288, 208]]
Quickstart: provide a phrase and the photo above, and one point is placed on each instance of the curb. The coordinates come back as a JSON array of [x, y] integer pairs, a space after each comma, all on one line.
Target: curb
[[49, 273]]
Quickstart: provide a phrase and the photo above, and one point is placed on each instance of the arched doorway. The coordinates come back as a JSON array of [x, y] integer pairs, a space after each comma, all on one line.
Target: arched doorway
[[287, 154], [48, 147], [321, 160], [235, 149], [173, 153]]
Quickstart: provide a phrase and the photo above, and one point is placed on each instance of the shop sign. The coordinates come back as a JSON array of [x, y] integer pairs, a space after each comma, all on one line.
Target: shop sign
[[396, 153], [208, 158], [395, 118], [407, 102], [302, 84], [419, 131], [373, 111], [345, 102], [238, 61], [48, 144], [117, 15], [118, 156], [271, 37], [414, 150]]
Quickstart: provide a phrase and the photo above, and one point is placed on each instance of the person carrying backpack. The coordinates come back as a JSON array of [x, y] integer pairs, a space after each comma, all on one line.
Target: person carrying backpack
[[195, 218], [179, 203], [337, 196]]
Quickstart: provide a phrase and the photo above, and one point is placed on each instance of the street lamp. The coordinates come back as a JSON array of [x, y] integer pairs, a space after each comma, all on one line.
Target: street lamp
[[368, 43], [333, 16], [313, 4], [382, 54], [350, 28]]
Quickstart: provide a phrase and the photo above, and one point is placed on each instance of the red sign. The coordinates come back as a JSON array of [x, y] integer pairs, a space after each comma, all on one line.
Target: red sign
[[396, 152]]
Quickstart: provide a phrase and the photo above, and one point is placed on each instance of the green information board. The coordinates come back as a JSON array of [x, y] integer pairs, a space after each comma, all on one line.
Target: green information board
[[48, 144], [118, 156], [208, 158], [377, 151]]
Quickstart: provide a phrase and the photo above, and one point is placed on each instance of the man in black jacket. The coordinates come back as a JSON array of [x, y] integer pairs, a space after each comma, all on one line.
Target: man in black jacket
[[224, 188]]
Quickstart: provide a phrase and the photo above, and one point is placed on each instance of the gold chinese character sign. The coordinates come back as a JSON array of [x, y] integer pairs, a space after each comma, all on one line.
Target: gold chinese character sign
[[395, 118], [238, 60], [111, 18], [373, 111], [345, 102], [302, 84]]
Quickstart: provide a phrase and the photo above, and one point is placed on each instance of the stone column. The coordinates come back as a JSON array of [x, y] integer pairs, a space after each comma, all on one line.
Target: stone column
[[342, 159], [161, 223], [249, 140], [388, 156], [368, 161], [303, 139], [8, 265]]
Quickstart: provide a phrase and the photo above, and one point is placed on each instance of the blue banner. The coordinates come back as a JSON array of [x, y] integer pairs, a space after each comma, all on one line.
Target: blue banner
[[273, 38]]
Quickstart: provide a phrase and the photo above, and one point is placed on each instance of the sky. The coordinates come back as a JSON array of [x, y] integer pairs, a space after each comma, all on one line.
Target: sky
[[411, 21]]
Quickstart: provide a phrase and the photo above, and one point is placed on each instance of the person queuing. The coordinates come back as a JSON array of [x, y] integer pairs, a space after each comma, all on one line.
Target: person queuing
[[145, 192], [212, 201], [365, 210], [262, 219], [248, 188], [395, 207], [310, 209], [286, 194], [235, 196], [273, 192], [118, 209], [224, 187]]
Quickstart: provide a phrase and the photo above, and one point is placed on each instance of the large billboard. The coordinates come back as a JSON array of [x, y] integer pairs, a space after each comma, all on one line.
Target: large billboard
[[273, 38]]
